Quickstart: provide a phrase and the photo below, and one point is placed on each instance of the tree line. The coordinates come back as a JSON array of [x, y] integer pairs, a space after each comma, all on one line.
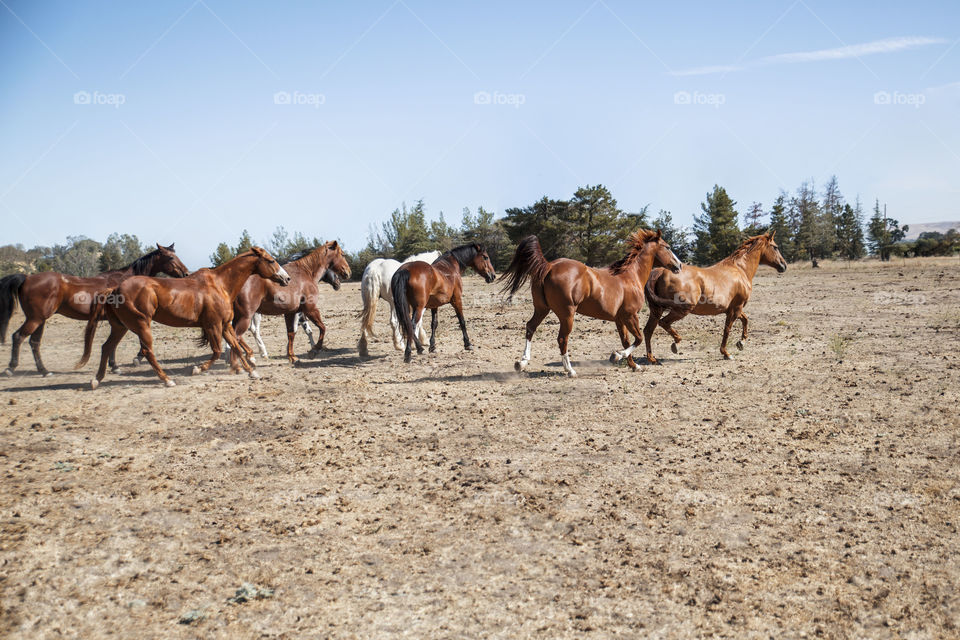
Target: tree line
[[590, 226]]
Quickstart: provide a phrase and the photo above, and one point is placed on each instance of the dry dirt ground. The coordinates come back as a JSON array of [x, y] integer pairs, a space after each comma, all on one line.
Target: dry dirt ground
[[810, 487]]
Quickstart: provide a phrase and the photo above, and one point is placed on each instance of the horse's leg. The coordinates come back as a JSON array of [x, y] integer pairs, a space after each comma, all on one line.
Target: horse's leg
[[216, 345], [667, 324], [307, 330], [291, 319], [146, 337], [433, 330], [622, 331], [35, 347], [743, 320], [117, 331], [539, 313], [399, 342], [21, 334], [732, 315], [648, 329], [457, 303], [566, 326], [240, 324], [231, 337], [416, 318], [632, 324], [255, 325], [311, 311]]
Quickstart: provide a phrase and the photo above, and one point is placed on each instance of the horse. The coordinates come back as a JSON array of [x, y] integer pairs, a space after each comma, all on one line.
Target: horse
[[43, 294], [330, 277], [203, 299], [722, 288], [300, 295], [375, 285], [568, 287], [419, 286]]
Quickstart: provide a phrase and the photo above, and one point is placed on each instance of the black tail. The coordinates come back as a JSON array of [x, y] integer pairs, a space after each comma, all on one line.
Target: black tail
[[398, 286], [9, 296], [654, 300], [528, 262]]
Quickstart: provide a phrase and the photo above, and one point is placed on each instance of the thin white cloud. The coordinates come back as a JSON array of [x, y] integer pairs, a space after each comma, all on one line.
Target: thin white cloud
[[888, 45]]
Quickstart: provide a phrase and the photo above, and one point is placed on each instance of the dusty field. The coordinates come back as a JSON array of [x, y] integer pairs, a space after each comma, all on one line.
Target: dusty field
[[786, 493]]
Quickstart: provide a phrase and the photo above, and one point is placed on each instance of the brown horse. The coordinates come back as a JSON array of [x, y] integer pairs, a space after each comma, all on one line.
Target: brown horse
[[43, 294], [568, 287], [419, 286], [299, 296], [203, 299], [722, 288]]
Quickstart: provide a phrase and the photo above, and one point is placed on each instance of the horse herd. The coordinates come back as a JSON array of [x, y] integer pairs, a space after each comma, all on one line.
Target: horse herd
[[226, 301]]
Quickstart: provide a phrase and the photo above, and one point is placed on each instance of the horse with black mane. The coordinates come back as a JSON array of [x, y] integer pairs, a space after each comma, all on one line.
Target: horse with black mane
[[417, 286], [43, 294]]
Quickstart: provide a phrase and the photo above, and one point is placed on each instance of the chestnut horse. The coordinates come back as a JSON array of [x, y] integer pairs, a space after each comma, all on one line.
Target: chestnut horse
[[203, 299], [419, 286], [568, 287], [43, 294], [300, 295], [723, 288]]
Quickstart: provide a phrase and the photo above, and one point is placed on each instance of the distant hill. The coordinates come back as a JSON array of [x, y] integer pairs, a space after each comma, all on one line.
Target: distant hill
[[942, 227]]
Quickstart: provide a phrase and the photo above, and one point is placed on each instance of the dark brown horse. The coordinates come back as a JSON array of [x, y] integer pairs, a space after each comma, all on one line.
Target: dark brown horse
[[203, 299], [299, 296], [723, 288], [417, 286], [43, 294], [568, 287]]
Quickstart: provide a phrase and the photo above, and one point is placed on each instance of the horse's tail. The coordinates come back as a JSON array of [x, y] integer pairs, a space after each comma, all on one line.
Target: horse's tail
[[9, 296], [369, 292], [398, 287], [528, 262], [655, 300], [97, 313]]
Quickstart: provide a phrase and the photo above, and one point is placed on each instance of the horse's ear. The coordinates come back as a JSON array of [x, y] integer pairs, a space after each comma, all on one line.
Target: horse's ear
[[333, 245], [659, 233], [170, 248], [159, 247], [771, 233]]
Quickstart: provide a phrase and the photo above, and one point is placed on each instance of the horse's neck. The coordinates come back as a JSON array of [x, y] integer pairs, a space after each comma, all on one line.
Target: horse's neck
[[642, 267], [232, 275], [452, 265], [750, 262], [315, 263]]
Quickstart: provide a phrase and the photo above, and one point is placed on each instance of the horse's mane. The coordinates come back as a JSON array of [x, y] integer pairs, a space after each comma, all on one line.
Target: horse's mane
[[637, 239], [745, 247], [141, 266], [464, 253]]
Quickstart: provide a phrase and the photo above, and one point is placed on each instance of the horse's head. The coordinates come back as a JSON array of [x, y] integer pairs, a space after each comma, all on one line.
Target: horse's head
[[331, 278], [167, 262], [482, 265], [664, 256], [771, 255], [338, 262], [267, 267]]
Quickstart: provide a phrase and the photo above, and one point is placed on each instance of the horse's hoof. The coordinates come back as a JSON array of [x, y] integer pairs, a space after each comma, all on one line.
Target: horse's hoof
[[727, 356], [572, 373], [520, 365], [468, 347], [47, 374], [94, 383], [195, 371], [8, 372], [115, 370], [740, 345], [294, 361], [170, 383], [674, 348], [136, 362], [252, 360], [614, 359], [254, 375]]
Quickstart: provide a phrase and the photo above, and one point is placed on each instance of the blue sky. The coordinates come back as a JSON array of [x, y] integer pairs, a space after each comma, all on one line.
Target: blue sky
[[190, 120]]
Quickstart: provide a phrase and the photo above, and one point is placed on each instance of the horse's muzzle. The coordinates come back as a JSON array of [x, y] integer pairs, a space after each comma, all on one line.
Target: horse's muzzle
[[489, 277], [675, 268], [781, 267]]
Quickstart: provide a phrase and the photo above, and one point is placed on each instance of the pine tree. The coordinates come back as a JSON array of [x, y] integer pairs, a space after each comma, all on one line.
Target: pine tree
[[832, 211], [850, 232], [751, 219], [716, 230], [780, 223], [676, 237], [814, 232], [599, 226], [544, 219], [884, 232]]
